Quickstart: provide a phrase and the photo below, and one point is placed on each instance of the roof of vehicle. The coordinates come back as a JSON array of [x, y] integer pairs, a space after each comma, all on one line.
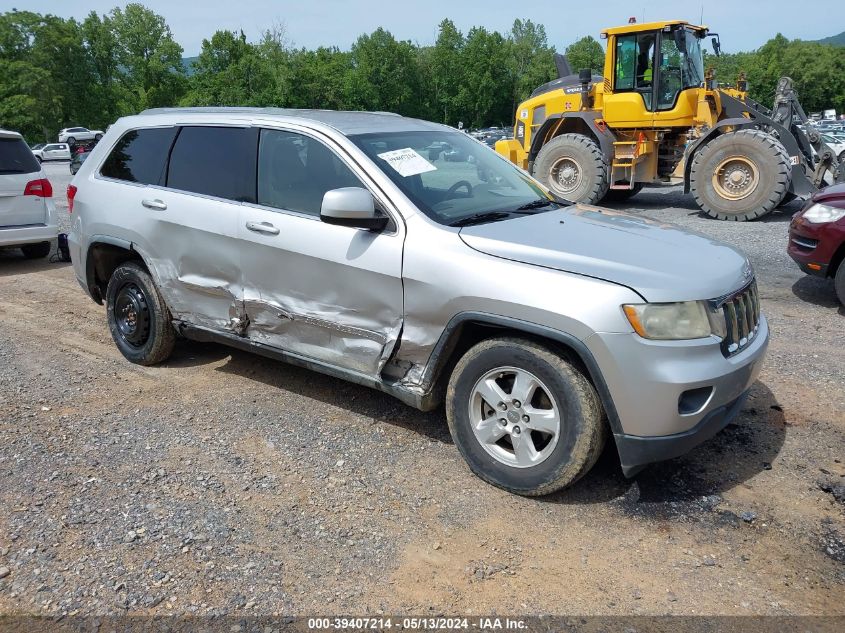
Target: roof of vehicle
[[9, 134], [347, 122], [650, 26]]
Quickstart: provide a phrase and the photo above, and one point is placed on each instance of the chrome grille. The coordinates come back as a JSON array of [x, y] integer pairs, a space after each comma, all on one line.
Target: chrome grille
[[742, 318]]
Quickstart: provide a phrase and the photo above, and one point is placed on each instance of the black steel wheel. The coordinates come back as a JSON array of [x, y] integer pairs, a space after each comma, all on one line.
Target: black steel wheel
[[138, 318]]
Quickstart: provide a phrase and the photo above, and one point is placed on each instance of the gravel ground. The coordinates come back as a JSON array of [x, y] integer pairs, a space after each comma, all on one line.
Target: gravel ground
[[224, 483]]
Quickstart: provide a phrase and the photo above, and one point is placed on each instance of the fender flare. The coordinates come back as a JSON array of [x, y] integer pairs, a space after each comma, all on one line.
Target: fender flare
[[601, 134], [442, 349], [90, 276]]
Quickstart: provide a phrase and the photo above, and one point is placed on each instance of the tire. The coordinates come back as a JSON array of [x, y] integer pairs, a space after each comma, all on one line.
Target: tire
[[39, 159], [621, 195], [71, 140], [573, 167], [138, 318], [752, 155], [36, 251], [842, 158], [839, 283], [561, 458], [97, 137]]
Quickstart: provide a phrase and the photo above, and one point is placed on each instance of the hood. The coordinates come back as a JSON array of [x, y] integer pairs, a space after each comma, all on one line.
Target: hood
[[832, 194], [661, 262]]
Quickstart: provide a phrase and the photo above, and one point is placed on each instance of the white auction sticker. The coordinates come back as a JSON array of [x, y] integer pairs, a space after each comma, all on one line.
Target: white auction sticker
[[407, 162]]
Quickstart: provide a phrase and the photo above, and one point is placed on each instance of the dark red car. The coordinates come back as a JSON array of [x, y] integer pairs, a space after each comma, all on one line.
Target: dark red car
[[817, 237]]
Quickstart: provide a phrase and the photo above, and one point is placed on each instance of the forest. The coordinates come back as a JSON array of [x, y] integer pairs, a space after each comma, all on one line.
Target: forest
[[57, 72]]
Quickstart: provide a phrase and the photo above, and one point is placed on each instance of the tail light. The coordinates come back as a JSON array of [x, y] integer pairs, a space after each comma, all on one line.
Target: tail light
[[41, 188], [71, 194]]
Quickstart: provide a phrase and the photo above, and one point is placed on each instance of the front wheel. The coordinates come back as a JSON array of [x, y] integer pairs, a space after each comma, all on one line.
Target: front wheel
[[523, 417], [138, 318], [741, 175], [839, 283]]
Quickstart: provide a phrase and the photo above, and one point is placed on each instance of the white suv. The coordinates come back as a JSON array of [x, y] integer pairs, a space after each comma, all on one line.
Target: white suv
[[74, 134], [27, 214], [52, 151]]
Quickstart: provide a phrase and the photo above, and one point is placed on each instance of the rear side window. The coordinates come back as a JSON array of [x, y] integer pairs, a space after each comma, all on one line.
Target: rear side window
[[16, 157], [215, 161], [140, 156]]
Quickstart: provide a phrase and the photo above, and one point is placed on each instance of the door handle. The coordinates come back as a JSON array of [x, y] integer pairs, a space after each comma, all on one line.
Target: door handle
[[156, 204], [262, 227]]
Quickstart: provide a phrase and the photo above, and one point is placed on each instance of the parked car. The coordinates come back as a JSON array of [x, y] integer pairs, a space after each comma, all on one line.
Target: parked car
[[544, 327], [27, 213], [37, 146], [73, 135], [52, 151], [817, 237], [77, 160]]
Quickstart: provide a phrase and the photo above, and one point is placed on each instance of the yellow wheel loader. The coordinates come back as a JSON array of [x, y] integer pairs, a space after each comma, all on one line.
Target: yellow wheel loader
[[657, 118]]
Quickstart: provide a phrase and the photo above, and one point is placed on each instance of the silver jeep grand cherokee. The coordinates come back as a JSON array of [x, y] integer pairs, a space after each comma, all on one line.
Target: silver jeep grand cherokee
[[406, 256]]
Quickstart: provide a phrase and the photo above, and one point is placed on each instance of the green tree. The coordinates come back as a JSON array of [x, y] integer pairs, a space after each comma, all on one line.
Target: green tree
[[150, 60], [586, 53], [485, 94], [230, 72], [447, 73], [531, 59], [383, 75]]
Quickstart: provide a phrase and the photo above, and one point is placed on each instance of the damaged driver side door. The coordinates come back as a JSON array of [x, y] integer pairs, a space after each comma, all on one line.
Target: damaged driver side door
[[326, 292]]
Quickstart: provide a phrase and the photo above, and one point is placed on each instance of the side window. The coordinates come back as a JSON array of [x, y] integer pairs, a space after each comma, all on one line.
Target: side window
[[295, 172], [626, 59], [215, 161], [140, 156], [635, 65]]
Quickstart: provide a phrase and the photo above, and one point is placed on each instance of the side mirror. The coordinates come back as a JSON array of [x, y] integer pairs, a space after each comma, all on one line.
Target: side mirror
[[351, 206]]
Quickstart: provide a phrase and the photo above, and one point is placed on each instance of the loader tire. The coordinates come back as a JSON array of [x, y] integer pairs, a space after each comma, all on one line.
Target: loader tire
[[740, 175], [573, 167]]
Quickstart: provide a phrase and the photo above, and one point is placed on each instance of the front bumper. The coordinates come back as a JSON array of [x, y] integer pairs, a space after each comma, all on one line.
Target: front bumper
[[812, 246], [670, 396], [636, 452], [29, 234]]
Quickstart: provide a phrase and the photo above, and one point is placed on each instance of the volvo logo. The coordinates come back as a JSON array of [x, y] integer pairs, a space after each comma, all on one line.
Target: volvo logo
[[747, 271]]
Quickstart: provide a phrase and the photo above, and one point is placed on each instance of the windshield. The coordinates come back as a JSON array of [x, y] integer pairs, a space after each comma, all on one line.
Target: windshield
[[452, 177], [693, 71]]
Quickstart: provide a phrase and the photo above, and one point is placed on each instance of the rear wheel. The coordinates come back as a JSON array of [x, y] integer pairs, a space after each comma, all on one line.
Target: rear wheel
[[523, 417], [36, 251], [740, 175], [620, 195], [137, 316], [71, 140], [97, 137], [573, 167]]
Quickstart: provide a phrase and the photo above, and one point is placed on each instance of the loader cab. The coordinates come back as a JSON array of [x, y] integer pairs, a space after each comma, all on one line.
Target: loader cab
[[655, 70]]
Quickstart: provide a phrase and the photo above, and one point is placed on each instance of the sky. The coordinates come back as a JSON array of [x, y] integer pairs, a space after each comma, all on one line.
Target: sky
[[742, 25]]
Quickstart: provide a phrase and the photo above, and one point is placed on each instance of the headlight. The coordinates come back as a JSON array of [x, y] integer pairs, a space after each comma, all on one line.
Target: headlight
[[674, 321], [821, 213]]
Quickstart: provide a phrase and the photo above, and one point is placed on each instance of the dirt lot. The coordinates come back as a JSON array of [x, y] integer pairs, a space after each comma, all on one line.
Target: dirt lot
[[222, 482]]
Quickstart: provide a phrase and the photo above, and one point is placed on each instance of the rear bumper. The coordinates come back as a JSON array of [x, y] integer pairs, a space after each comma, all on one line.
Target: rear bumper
[[635, 452], [29, 234]]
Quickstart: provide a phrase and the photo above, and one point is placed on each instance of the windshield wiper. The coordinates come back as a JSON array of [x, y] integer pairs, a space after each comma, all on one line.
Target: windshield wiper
[[539, 203], [480, 218]]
